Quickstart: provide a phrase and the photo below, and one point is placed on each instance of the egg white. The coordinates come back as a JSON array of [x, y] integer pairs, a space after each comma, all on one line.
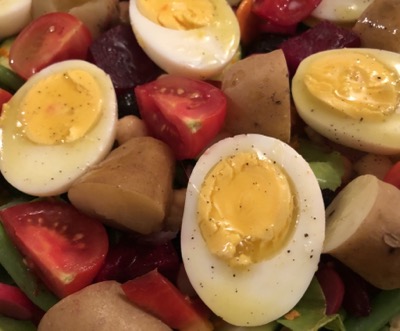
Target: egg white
[[340, 11], [379, 137], [267, 290], [14, 16], [198, 53], [47, 170]]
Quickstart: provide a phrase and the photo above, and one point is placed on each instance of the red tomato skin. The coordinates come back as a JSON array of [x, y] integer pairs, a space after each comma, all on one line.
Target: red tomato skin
[[5, 96], [50, 38], [284, 12], [185, 113], [156, 294], [393, 175], [64, 247]]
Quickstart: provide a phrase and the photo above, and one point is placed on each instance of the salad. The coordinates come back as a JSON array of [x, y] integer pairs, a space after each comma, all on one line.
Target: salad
[[199, 165]]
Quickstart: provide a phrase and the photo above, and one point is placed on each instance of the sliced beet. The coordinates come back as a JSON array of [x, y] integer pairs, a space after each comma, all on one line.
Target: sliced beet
[[131, 258], [332, 286], [323, 36], [118, 53]]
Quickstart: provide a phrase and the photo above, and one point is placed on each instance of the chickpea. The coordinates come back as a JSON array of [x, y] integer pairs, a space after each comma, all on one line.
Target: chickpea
[[130, 126]]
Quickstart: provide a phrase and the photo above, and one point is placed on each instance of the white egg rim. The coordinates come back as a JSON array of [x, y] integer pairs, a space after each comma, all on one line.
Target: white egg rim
[[102, 136], [249, 289], [162, 51], [15, 16], [363, 135]]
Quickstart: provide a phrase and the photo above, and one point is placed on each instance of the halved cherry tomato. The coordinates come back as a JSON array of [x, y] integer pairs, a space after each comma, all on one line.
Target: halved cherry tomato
[[63, 246], [393, 175], [155, 294], [284, 12], [185, 113], [4, 97], [50, 38]]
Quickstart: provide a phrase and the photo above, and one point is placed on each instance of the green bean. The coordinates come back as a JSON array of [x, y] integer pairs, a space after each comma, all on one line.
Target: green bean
[[384, 306], [9, 80], [12, 260], [9, 324]]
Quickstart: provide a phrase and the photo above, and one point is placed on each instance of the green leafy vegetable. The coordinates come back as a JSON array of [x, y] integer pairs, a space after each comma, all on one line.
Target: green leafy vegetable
[[9, 80], [327, 166], [9, 324], [309, 313]]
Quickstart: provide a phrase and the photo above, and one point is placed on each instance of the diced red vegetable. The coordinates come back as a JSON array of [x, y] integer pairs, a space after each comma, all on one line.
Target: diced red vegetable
[[333, 288], [50, 38], [5, 96], [15, 304], [184, 113], [155, 294], [284, 12], [130, 258], [393, 175], [63, 246], [118, 53], [323, 36]]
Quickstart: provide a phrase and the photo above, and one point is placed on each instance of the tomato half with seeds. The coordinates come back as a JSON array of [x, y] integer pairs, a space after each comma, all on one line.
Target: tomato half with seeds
[[285, 12], [185, 113], [64, 247], [50, 38]]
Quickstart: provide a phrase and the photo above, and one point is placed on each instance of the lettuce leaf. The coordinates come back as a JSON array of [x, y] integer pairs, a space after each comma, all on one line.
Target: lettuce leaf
[[327, 166]]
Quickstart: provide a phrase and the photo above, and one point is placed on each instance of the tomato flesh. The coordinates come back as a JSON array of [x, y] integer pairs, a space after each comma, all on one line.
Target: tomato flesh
[[5, 96], [63, 246], [50, 38], [155, 294], [185, 113], [284, 12], [393, 175]]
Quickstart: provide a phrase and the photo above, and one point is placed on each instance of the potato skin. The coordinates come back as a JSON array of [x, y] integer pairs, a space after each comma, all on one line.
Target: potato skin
[[131, 189], [378, 24], [258, 96], [373, 249], [99, 307]]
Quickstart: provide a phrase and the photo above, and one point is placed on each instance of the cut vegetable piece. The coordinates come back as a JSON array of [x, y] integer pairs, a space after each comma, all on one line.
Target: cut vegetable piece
[[132, 188], [64, 247], [257, 88], [101, 307], [10, 324], [12, 261], [363, 225], [15, 304]]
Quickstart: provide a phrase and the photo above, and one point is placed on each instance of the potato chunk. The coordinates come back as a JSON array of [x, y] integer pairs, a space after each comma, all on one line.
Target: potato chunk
[[131, 189]]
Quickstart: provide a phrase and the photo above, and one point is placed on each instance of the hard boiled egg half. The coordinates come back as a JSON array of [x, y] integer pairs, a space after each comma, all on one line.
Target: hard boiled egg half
[[343, 12], [14, 16], [253, 228], [352, 97], [196, 39], [58, 124]]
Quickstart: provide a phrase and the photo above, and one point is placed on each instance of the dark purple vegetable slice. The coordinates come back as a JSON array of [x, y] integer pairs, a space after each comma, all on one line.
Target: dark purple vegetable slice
[[323, 36], [118, 53]]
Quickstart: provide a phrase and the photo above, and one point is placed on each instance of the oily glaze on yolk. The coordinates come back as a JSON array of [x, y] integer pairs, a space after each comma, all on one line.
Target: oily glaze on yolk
[[61, 108], [178, 14], [357, 85], [246, 209]]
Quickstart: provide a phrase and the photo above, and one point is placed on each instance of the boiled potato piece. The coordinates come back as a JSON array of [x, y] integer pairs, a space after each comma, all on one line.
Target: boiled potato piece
[[257, 90], [98, 15], [131, 189], [99, 307], [363, 230], [378, 25]]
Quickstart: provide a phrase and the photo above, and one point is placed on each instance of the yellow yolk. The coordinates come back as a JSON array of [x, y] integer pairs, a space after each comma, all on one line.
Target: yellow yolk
[[178, 14], [61, 108], [358, 85], [246, 209]]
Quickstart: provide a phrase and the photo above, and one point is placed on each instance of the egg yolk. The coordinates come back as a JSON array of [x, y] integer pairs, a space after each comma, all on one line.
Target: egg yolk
[[177, 14], [246, 210], [355, 84], [60, 108]]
